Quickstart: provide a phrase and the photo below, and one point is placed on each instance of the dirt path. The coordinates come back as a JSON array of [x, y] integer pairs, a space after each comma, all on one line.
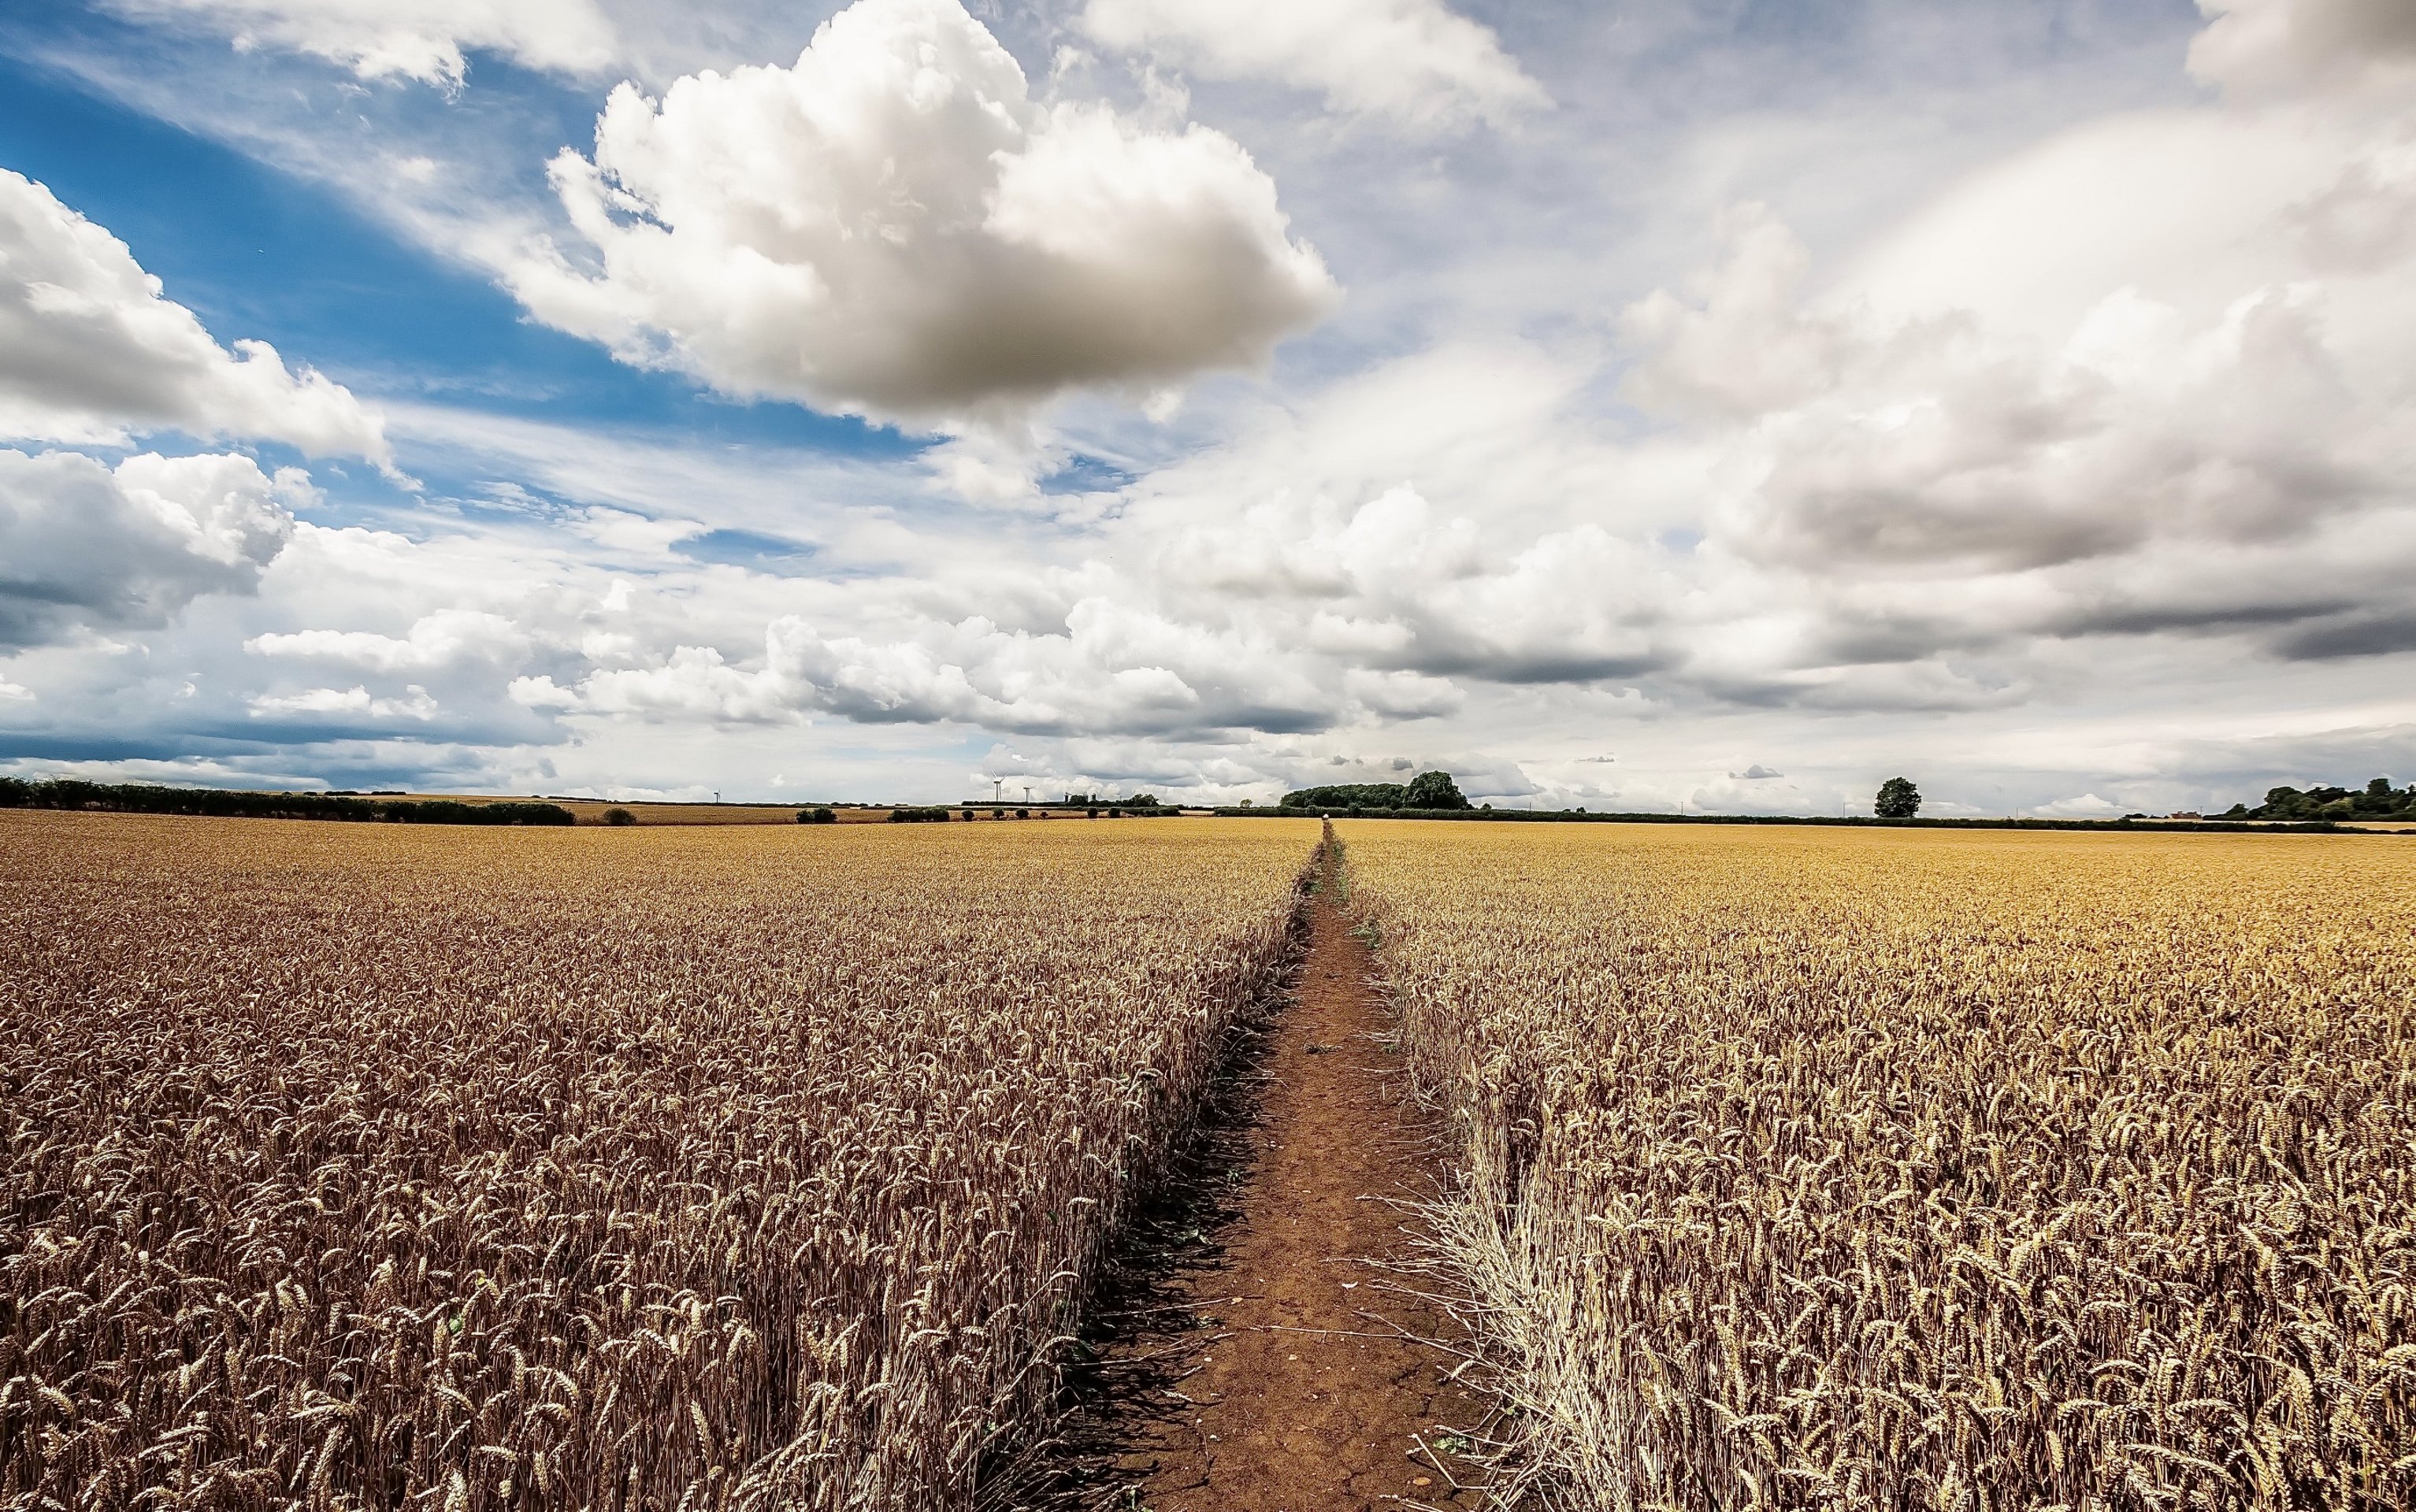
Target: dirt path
[[1275, 1374]]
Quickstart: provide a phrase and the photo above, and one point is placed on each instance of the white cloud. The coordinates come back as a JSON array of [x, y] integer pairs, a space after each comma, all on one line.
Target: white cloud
[[1411, 62], [355, 700], [2277, 47], [1114, 668], [422, 39], [2086, 806], [1899, 486], [894, 227], [444, 639], [1395, 696], [83, 546], [91, 352]]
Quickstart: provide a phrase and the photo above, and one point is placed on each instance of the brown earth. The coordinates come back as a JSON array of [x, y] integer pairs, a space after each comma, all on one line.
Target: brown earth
[[1285, 1367]]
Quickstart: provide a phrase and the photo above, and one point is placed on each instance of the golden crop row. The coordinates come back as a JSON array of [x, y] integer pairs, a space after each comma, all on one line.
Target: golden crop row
[[1824, 1169], [355, 1167]]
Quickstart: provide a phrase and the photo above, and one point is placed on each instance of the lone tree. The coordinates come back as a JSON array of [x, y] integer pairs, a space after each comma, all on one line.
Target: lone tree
[[1898, 799], [1434, 790]]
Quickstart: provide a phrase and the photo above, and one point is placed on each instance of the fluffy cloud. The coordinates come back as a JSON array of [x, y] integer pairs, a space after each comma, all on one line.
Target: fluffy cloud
[[2281, 47], [444, 639], [86, 546], [1115, 668], [91, 350], [354, 702], [1281, 622], [1411, 62], [2212, 444], [421, 39], [1939, 443], [894, 227]]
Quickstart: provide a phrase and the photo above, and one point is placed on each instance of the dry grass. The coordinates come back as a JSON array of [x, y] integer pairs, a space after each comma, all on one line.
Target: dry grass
[[357, 1166], [1822, 1169]]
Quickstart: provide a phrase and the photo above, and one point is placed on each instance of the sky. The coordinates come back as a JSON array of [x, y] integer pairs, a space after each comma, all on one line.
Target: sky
[[1651, 405]]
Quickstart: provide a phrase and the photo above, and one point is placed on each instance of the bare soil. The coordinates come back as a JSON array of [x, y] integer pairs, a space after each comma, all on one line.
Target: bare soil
[[1281, 1356]]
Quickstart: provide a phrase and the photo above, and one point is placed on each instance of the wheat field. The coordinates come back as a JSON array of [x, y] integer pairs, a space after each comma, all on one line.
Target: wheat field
[[1850, 1169], [360, 1166]]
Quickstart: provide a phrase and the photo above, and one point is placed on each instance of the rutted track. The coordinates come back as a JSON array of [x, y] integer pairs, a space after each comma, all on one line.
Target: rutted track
[[1275, 1359]]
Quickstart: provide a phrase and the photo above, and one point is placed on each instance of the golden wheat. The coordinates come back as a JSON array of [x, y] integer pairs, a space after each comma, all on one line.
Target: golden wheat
[[1822, 1169], [358, 1167]]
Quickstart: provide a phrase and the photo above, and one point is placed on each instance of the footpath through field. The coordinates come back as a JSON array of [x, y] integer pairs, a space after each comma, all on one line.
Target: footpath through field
[[1311, 1392]]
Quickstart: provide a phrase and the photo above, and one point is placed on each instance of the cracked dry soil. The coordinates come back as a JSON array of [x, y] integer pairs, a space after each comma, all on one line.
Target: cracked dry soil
[[1305, 1396]]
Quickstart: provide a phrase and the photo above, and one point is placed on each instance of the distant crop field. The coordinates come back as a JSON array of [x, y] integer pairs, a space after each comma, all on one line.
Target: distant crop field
[[370, 1166], [1854, 1169]]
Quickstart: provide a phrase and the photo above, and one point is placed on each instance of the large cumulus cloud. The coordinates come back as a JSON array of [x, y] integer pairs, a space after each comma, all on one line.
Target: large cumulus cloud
[[894, 227], [92, 351], [2148, 379], [83, 546]]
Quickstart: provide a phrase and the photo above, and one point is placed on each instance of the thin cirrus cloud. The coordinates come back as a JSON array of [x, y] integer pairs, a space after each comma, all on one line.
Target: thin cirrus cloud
[[1411, 63], [421, 39], [92, 351], [894, 227]]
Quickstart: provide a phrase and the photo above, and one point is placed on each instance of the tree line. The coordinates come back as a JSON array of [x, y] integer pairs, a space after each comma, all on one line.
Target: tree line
[[1426, 790], [2377, 800], [143, 798]]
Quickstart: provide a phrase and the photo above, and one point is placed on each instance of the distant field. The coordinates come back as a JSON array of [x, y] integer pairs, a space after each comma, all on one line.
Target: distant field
[[375, 1166], [1920, 1169], [591, 811], [755, 1166]]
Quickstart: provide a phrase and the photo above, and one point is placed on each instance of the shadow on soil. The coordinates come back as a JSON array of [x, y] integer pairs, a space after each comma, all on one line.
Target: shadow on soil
[[1144, 1336]]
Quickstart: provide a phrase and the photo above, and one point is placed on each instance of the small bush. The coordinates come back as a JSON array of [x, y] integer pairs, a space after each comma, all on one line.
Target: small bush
[[816, 815], [618, 818], [918, 815]]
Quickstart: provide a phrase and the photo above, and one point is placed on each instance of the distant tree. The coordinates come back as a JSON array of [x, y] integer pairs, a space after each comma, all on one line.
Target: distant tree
[[618, 816], [2377, 800], [1246, 803], [1434, 790], [816, 815], [1898, 799]]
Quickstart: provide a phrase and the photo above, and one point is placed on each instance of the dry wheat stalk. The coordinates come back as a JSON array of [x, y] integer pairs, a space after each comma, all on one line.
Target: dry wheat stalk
[[1820, 1169], [355, 1167]]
